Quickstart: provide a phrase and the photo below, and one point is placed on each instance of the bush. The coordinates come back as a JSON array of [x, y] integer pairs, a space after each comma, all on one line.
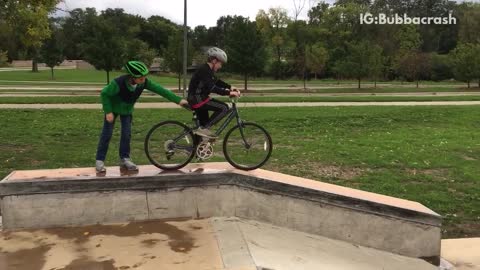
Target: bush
[[441, 67], [3, 59]]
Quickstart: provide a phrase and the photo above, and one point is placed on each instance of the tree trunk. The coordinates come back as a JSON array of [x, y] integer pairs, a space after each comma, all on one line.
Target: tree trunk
[[359, 79], [52, 72], [375, 83], [304, 82], [179, 83], [278, 72], [246, 78], [468, 84], [417, 84], [315, 76], [35, 60], [34, 64], [108, 76]]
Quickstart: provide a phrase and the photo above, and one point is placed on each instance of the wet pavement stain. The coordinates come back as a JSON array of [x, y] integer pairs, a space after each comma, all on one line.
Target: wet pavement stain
[[178, 240], [150, 242], [24, 259], [87, 264]]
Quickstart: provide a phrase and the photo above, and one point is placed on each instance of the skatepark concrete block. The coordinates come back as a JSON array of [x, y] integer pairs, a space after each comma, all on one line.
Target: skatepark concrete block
[[76, 197]]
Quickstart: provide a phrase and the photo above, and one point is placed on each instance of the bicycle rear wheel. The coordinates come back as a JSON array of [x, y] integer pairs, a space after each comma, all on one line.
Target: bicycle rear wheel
[[247, 146], [170, 145]]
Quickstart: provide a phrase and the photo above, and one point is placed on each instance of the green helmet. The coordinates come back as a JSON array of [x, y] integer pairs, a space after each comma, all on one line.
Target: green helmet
[[136, 69]]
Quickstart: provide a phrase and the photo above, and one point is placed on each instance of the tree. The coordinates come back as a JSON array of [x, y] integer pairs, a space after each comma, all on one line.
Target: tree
[[466, 62], [317, 57], [358, 63], [105, 47], [156, 32], [245, 48], [30, 18], [3, 58], [140, 51], [202, 37], [298, 6], [376, 62], [174, 55], [413, 65], [469, 22], [77, 26], [52, 49], [222, 30], [273, 26], [299, 32], [441, 67], [407, 61], [317, 13]]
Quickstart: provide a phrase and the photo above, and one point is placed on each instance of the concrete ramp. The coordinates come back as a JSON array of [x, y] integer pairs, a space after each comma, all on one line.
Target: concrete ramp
[[365, 221], [204, 244]]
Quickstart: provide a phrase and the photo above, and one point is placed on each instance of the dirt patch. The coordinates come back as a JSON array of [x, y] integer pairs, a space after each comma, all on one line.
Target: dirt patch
[[440, 173], [25, 259], [6, 147], [468, 158], [319, 170], [461, 230], [340, 172]]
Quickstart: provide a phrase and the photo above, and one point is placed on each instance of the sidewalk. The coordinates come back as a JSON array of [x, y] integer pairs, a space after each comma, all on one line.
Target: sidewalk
[[463, 253], [165, 105]]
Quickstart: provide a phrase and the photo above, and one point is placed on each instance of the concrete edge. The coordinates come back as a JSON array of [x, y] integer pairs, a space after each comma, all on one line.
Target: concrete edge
[[168, 181]]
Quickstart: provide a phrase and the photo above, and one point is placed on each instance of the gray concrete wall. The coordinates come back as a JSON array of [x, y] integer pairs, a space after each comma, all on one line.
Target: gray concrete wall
[[390, 234]]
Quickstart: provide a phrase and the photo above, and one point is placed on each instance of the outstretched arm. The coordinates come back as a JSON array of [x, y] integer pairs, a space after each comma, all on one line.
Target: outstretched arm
[[158, 89]]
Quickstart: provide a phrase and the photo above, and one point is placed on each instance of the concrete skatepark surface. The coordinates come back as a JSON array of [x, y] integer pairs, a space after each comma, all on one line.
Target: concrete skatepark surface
[[205, 244], [207, 216]]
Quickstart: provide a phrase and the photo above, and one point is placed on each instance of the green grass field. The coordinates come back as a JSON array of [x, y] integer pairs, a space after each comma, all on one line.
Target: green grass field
[[69, 76], [425, 154]]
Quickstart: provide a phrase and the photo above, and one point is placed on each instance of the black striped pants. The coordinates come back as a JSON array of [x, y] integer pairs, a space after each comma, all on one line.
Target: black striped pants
[[220, 109]]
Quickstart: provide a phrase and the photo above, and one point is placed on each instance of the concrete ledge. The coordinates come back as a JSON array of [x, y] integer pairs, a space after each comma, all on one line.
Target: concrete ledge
[[71, 197]]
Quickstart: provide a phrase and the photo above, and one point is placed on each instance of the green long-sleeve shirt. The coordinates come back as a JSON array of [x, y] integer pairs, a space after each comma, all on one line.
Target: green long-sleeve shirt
[[112, 103]]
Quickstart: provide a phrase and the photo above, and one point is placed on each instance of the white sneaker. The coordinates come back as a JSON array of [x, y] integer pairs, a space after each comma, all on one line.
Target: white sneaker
[[205, 132], [100, 166], [128, 164]]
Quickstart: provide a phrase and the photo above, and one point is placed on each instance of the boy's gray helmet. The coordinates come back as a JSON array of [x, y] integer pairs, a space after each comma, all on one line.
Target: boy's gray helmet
[[217, 53]]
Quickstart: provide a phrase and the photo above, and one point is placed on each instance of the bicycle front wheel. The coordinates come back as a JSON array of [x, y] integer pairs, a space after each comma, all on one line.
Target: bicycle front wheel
[[170, 145], [247, 146]]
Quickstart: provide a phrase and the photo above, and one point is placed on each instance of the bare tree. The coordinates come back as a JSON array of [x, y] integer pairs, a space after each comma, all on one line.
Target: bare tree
[[298, 5]]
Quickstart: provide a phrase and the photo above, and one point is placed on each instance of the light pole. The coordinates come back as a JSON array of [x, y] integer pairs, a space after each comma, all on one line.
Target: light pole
[[185, 44]]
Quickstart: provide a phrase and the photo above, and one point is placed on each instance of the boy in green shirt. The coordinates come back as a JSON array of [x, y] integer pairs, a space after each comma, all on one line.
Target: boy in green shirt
[[118, 99]]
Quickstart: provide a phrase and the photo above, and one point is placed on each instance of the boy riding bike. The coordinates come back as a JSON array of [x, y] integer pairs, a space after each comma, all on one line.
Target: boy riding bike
[[204, 82]]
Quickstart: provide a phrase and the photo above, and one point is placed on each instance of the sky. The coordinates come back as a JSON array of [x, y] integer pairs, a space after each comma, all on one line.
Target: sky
[[200, 12]]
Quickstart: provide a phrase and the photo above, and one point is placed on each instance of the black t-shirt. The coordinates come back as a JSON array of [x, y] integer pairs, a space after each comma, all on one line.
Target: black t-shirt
[[203, 83]]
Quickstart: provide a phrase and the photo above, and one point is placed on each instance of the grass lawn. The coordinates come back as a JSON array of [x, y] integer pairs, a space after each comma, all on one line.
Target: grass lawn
[[426, 154], [71, 75], [96, 76], [280, 99]]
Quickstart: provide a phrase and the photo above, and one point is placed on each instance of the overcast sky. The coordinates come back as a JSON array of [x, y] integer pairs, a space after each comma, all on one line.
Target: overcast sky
[[200, 12]]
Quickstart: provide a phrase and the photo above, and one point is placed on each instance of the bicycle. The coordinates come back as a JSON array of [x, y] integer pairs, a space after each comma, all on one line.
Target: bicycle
[[171, 145]]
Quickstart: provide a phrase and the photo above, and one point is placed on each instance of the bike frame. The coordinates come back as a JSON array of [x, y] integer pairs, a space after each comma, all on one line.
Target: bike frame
[[233, 113]]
